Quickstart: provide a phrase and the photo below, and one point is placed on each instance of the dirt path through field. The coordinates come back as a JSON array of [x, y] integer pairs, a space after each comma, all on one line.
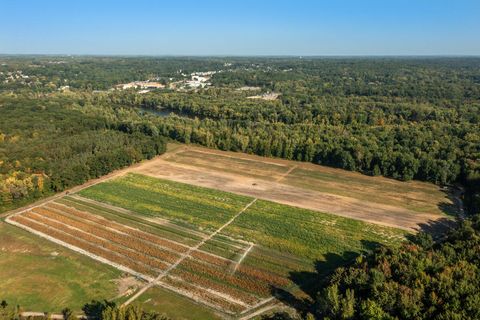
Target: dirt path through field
[[272, 190], [283, 176], [185, 256]]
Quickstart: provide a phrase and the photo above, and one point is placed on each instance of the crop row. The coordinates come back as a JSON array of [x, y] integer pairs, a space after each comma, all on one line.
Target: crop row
[[262, 275], [229, 242], [244, 282], [203, 295], [150, 196], [137, 233], [203, 256], [135, 266], [122, 239], [210, 284], [277, 265], [177, 234], [227, 253], [129, 253], [243, 270]]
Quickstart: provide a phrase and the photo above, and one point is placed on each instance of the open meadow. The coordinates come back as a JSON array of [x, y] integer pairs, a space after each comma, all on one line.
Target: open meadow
[[230, 254], [42, 276]]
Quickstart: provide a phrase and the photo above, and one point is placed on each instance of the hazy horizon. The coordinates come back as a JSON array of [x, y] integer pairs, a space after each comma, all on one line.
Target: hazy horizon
[[306, 56]]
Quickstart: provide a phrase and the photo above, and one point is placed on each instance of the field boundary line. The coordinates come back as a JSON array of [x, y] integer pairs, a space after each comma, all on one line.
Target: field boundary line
[[242, 257], [255, 306], [186, 255], [79, 250], [258, 312], [242, 157], [137, 215]]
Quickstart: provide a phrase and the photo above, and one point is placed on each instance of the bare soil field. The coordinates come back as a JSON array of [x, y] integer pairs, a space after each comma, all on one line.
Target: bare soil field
[[404, 205]]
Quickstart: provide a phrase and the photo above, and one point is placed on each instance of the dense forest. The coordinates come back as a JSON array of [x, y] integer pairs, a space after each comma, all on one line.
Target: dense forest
[[64, 120], [420, 280], [46, 147], [405, 118]]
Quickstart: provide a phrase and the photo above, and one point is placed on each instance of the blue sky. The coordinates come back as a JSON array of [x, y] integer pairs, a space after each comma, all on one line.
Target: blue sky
[[246, 27]]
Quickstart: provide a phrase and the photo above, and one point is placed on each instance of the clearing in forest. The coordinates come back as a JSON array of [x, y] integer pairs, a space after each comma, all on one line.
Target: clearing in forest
[[405, 205], [230, 253]]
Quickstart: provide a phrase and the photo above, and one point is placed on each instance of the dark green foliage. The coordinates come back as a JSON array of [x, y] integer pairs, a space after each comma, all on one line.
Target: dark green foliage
[[68, 314], [415, 281], [472, 195], [405, 118], [48, 147], [413, 118]]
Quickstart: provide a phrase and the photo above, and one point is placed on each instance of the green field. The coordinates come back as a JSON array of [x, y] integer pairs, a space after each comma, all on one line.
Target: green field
[[174, 306], [182, 203], [279, 247], [39, 275], [287, 240], [309, 234]]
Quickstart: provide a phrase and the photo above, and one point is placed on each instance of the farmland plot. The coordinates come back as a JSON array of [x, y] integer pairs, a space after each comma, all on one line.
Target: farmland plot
[[325, 189], [204, 276], [181, 203], [224, 251], [146, 248], [420, 197]]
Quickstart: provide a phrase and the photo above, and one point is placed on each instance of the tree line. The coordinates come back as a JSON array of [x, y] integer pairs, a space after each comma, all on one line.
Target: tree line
[[94, 310], [400, 118], [46, 147]]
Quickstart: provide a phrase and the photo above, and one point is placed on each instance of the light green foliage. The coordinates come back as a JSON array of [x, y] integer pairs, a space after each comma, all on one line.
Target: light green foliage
[[307, 233], [201, 207]]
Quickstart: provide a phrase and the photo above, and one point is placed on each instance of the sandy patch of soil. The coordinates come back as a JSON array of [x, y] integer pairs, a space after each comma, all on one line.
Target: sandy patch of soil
[[382, 214], [127, 285]]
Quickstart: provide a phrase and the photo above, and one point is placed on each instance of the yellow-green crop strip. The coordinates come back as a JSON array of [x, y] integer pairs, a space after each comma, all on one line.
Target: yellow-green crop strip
[[306, 234]]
